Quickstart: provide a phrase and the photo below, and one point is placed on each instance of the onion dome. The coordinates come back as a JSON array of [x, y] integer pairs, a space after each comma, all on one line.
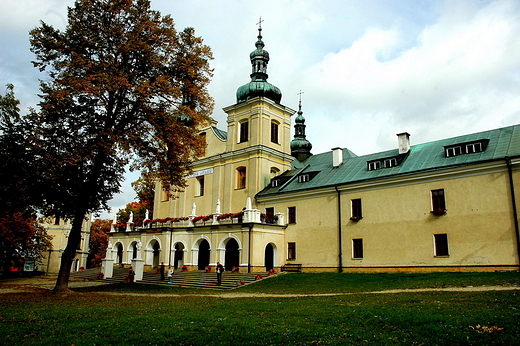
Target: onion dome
[[259, 85], [300, 146]]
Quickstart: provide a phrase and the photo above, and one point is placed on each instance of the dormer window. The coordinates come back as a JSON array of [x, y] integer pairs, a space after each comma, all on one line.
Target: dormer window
[[303, 178], [392, 162], [454, 151], [473, 148], [466, 148], [275, 183], [373, 165], [386, 162]]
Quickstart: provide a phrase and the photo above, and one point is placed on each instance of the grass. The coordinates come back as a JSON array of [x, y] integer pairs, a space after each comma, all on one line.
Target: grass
[[93, 317]]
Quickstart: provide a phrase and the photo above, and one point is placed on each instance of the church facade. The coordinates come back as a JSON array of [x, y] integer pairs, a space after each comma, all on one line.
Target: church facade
[[260, 200]]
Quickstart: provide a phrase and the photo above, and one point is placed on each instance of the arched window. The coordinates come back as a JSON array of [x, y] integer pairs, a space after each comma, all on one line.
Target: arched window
[[274, 132], [274, 172], [202, 136], [244, 132], [241, 178]]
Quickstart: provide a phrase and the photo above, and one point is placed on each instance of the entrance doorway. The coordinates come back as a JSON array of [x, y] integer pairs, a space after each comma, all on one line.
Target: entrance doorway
[[119, 253], [156, 251], [269, 257], [178, 259], [232, 255], [203, 261]]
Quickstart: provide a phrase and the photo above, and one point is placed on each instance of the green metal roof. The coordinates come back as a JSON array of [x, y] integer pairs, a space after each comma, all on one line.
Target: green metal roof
[[221, 134], [503, 142]]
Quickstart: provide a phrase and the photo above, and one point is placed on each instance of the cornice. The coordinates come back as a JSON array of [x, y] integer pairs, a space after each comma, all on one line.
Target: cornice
[[255, 150]]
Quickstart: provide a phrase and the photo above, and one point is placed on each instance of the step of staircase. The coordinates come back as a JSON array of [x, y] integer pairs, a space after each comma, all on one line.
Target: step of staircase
[[195, 279]]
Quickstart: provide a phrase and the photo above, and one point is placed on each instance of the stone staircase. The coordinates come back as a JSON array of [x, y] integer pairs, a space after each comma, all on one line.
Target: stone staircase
[[196, 278]]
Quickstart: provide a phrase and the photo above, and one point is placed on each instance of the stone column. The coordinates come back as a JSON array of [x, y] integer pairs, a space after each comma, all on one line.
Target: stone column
[[138, 266], [108, 268]]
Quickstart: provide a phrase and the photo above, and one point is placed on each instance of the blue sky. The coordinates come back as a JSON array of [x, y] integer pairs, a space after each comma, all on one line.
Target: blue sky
[[368, 69]]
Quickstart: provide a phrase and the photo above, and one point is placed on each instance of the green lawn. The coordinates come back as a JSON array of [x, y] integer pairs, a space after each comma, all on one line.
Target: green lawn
[[96, 317]]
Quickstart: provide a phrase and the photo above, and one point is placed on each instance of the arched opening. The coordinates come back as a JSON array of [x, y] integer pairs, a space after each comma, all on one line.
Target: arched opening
[[232, 254], [203, 261], [156, 251], [119, 253], [269, 257], [134, 250], [178, 259]]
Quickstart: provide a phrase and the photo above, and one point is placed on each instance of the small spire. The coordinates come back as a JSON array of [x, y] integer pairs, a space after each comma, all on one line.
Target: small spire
[[300, 146]]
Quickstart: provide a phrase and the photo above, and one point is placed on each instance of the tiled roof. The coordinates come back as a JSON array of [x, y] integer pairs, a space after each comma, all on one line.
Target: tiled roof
[[501, 143]]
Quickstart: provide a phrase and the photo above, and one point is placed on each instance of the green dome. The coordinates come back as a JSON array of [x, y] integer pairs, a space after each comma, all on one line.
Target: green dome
[[258, 88], [259, 85]]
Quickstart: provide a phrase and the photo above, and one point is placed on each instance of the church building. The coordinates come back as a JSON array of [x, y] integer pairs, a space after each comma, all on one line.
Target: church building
[[260, 200]]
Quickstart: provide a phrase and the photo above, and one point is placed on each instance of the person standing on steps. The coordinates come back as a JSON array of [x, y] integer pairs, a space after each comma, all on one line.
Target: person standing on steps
[[170, 275], [131, 275], [161, 270], [220, 270]]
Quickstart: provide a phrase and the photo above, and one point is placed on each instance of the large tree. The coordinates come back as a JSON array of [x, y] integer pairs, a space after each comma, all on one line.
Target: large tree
[[124, 87], [21, 237]]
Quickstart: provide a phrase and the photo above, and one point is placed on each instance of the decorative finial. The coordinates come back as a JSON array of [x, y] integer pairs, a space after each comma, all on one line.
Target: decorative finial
[[259, 24], [300, 95]]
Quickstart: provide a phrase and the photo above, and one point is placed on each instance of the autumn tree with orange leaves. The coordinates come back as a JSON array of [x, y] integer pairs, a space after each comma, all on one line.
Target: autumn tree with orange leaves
[[98, 242], [123, 87]]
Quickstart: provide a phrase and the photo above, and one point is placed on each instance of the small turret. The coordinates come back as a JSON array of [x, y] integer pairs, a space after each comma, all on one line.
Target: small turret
[[300, 146]]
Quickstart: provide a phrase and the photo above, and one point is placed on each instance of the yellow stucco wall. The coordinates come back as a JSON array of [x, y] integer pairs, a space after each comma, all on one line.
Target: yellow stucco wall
[[397, 227]]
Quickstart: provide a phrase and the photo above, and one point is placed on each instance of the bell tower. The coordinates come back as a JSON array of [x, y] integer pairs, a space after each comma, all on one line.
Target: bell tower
[[259, 126]]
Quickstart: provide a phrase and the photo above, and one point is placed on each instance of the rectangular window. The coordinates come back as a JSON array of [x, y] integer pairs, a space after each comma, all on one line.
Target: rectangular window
[[473, 148], [441, 245], [241, 178], [372, 166], [275, 183], [291, 251], [244, 132], [438, 201], [303, 178], [357, 248], [357, 212], [453, 151], [274, 132], [390, 163], [201, 185], [291, 212]]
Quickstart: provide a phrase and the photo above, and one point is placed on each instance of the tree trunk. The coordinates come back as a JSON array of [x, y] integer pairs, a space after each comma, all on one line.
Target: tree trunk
[[62, 282], [85, 195]]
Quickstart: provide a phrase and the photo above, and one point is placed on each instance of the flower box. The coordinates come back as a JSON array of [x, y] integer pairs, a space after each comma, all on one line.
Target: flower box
[[208, 269], [184, 268], [236, 269]]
